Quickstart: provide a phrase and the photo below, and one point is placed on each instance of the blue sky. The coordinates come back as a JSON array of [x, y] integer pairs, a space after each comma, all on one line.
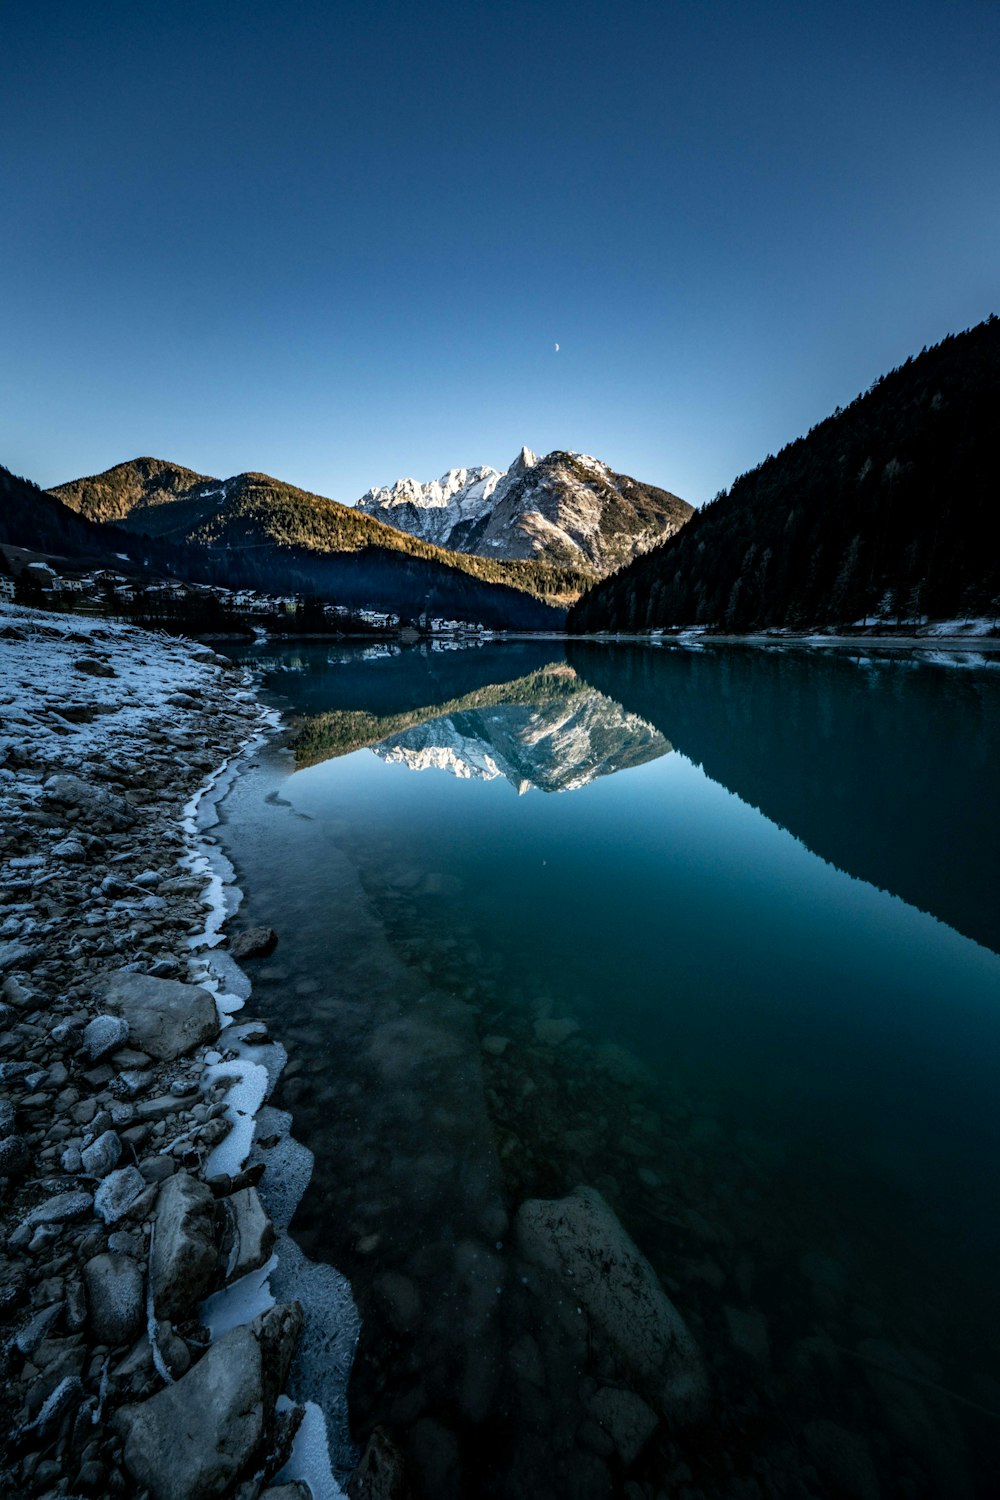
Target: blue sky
[[339, 242]]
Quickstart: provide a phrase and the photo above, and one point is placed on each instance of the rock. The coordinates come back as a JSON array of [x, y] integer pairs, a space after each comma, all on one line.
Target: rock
[[103, 811], [844, 1458], [495, 1046], [255, 942], [13, 1287], [183, 1255], [62, 1209], [191, 1440], [399, 1299], [748, 1331], [381, 1474], [94, 668], [551, 1033], [296, 1490], [102, 1156], [115, 1299], [15, 1157], [626, 1418], [17, 955], [249, 1234], [166, 1018], [104, 1034], [117, 1193], [132, 1082], [28, 1338], [7, 1118], [638, 1337], [69, 849]]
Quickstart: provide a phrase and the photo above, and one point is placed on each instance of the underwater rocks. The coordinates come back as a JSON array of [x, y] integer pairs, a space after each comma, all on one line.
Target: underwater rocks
[[637, 1336]]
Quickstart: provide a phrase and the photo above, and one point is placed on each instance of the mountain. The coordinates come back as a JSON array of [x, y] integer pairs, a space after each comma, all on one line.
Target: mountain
[[255, 531], [566, 508], [888, 507]]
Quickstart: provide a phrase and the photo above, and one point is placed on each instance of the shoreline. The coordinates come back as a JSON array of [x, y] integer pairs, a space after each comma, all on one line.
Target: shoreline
[[137, 1210]]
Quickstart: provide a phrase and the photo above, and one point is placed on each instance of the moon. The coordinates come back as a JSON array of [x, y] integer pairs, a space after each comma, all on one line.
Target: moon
[[557, 348]]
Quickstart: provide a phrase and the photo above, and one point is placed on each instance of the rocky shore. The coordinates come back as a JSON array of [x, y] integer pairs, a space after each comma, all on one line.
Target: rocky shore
[[141, 1350]]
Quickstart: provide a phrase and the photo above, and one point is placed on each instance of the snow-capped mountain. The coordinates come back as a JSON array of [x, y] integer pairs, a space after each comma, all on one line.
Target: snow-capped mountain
[[565, 508], [558, 743]]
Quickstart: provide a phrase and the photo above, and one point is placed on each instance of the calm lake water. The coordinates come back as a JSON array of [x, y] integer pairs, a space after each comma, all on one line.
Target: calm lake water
[[757, 891]]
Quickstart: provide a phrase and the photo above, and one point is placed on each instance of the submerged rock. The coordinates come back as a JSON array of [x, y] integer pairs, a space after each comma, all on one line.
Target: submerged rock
[[638, 1337], [255, 942], [165, 1017], [626, 1418]]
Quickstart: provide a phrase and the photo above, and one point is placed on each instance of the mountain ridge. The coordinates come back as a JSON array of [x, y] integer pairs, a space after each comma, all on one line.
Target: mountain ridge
[[568, 508]]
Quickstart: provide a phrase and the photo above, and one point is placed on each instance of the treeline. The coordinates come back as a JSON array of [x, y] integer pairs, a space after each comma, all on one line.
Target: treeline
[[886, 509]]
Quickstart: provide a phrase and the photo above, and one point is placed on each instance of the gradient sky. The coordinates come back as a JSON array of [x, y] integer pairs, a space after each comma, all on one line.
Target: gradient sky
[[338, 242]]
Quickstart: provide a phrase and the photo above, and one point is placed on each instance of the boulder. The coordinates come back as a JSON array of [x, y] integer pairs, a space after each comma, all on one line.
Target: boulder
[[104, 1034], [191, 1440], [638, 1338], [183, 1255], [115, 1299], [165, 1017]]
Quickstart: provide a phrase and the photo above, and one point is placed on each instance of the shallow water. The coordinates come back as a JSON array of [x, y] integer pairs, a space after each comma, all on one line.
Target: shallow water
[[758, 887]]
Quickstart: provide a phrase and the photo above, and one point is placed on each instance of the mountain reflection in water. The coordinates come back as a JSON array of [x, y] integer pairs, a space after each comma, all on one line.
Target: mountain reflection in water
[[781, 1079], [557, 740]]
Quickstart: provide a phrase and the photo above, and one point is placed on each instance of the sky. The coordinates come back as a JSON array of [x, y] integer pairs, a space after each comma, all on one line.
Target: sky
[[340, 242]]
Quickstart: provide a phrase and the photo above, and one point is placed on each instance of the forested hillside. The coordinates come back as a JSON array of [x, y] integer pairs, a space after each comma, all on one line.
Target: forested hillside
[[254, 512], [887, 507]]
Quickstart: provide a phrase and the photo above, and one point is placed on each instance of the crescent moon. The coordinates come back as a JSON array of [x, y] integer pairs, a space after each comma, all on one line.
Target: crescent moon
[[557, 348]]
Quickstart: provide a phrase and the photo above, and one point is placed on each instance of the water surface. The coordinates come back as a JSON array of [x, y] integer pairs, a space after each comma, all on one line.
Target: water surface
[[758, 890]]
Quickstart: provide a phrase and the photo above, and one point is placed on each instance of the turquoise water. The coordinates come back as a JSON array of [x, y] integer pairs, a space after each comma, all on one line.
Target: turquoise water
[[757, 889]]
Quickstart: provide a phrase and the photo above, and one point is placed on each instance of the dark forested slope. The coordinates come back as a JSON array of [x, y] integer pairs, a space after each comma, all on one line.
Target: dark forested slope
[[888, 506], [33, 519]]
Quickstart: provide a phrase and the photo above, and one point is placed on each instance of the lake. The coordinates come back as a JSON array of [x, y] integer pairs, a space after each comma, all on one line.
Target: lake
[[711, 930]]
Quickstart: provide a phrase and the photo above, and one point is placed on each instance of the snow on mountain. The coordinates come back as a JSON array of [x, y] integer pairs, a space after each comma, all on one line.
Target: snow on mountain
[[566, 508], [437, 511]]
